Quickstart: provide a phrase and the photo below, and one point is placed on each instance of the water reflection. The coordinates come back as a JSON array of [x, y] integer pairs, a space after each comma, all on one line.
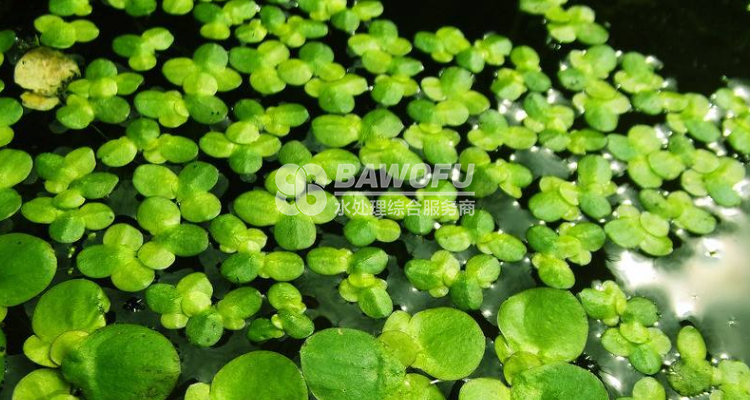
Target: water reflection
[[706, 281]]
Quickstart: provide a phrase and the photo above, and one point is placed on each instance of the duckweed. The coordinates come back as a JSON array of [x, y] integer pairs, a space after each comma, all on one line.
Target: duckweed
[[289, 217]]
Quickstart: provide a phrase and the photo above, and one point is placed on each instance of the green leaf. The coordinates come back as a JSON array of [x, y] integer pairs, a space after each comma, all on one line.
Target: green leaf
[[27, 267], [340, 364], [558, 381], [263, 375], [152, 372], [549, 323]]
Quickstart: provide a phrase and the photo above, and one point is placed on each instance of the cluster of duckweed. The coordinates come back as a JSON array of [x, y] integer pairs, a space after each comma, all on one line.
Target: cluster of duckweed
[[121, 214]]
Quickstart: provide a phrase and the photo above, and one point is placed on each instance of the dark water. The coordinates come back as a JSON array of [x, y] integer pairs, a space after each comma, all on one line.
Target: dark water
[[701, 42]]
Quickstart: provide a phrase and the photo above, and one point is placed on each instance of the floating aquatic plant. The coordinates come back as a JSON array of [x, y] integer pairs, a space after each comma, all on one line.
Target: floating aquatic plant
[[444, 128]]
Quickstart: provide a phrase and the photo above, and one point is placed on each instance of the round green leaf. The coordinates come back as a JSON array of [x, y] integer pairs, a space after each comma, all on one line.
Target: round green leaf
[[27, 265]]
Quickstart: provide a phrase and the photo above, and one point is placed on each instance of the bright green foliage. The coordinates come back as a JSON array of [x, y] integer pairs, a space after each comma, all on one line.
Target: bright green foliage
[[15, 167], [62, 318], [341, 130], [558, 381], [333, 130], [341, 364], [443, 45], [421, 215], [560, 199], [606, 302], [392, 155], [478, 228], [271, 69], [361, 285], [389, 89], [733, 381], [539, 7], [201, 78], [243, 145], [251, 32], [736, 119], [191, 189], [98, 96], [247, 262], [454, 101], [291, 30], [143, 135], [189, 305], [218, 20], [290, 318], [540, 329], [42, 383], [11, 112], [118, 258], [492, 131], [72, 178], [484, 389], [277, 121], [710, 175], [135, 8], [67, 225], [638, 74], [551, 121], [263, 65], [678, 207], [68, 8], [337, 96], [7, 39], [322, 10], [438, 145], [692, 374], [141, 50], [294, 222], [602, 105], [488, 175], [539, 326], [510, 84], [325, 167], [442, 274], [58, 33], [649, 165], [319, 58], [129, 262], [27, 266], [445, 343], [657, 102], [349, 20], [490, 50], [694, 119], [647, 388], [572, 242], [364, 228], [632, 333], [123, 362], [417, 387], [233, 236], [161, 218], [381, 48], [645, 231], [169, 108], [588, 67], [578, 23], [261, 375], [177, 7]]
